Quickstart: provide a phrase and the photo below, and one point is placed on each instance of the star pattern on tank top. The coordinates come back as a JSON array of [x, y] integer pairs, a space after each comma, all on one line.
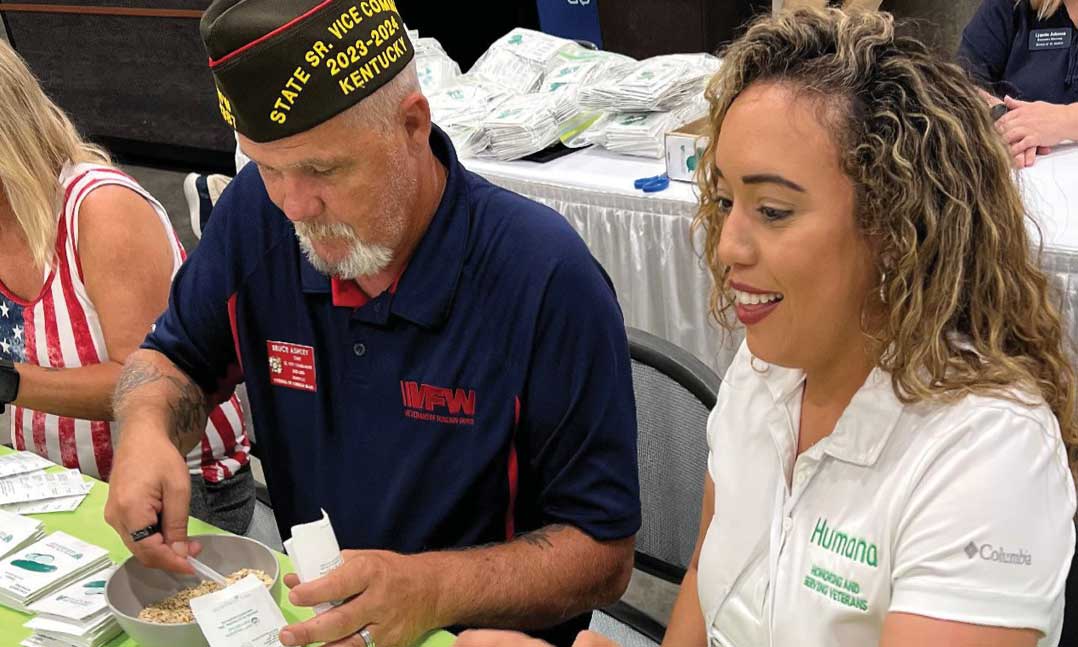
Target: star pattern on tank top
[[12, 331]]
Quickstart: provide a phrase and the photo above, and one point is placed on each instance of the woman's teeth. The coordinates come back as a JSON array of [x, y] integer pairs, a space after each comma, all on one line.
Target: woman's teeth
[[752, 298]]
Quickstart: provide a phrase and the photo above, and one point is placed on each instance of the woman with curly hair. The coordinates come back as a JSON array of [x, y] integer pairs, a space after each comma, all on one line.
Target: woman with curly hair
[[889, 454]]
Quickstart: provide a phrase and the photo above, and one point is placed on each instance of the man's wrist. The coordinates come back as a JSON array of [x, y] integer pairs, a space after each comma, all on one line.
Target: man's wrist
[[439, 567]]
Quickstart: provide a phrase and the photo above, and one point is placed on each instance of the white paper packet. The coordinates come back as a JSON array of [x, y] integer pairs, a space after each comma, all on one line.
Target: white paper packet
[[314, 551], [242, 614]]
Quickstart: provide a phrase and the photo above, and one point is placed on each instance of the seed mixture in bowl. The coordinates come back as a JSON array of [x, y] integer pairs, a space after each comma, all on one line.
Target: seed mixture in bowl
[[175, 608]]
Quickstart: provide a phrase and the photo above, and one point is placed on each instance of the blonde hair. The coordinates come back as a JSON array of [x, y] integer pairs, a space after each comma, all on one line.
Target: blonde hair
[[1044, 8], [934, 193], [36, 139]]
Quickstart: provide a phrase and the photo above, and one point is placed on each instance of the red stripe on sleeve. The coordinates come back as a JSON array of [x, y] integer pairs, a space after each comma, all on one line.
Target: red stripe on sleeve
[[235, 328], [513, 474]]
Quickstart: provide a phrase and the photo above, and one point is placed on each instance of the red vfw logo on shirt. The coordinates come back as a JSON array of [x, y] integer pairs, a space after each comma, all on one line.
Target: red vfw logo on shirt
[[438, 403]]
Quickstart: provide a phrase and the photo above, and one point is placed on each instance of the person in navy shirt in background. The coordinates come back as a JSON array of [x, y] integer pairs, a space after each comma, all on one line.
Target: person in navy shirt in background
[[1025, 55], [438, 363]]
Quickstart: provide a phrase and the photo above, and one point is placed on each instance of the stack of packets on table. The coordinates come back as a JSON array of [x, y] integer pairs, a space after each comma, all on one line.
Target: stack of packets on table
[[643, 133], [519, 59], [17, 532], [527, 124], [655, 84], [25, 488], [46, 566], [433, 66], [245, 613], [76, 616]]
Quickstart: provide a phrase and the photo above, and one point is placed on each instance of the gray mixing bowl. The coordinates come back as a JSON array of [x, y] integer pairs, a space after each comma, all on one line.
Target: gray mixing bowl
[[133, 587]]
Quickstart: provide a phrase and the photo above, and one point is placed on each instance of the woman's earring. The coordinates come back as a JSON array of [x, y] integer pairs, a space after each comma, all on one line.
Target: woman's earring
[[883, 285]]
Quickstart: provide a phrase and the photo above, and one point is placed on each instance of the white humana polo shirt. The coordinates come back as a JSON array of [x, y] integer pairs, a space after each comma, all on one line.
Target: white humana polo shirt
[[959, 511]]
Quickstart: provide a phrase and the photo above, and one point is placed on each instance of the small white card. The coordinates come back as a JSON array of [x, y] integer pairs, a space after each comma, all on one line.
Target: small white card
[[46, 563], [59, 504], [21, 463], [15, 531], [79, 602], [314, 552], [242, 614], [41, 485]]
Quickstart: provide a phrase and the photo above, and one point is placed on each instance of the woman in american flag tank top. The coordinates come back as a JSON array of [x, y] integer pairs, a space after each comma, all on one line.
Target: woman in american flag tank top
[[86, 259]]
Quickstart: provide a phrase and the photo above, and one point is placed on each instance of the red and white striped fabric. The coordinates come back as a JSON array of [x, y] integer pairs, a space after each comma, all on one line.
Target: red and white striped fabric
[[60, 329]]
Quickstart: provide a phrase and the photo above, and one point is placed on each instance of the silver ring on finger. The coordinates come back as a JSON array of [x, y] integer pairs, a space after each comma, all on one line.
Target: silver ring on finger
[[368, 640]]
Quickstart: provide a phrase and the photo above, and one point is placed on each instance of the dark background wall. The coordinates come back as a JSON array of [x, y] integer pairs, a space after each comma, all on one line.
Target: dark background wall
[[141, 84]]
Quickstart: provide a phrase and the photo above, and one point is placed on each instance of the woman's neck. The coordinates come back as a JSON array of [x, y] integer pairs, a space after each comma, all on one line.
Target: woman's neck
[[837, 380]]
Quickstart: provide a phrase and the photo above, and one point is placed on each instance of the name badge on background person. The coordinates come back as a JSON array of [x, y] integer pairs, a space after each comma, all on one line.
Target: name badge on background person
[[291, 365], [1058, 38]]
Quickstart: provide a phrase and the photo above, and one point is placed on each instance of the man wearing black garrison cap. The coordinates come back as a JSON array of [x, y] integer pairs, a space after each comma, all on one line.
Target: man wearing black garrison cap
[[438, 363]]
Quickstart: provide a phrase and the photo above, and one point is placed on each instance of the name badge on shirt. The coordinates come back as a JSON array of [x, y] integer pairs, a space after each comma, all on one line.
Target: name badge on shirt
[[291, 365], [1058, 38]]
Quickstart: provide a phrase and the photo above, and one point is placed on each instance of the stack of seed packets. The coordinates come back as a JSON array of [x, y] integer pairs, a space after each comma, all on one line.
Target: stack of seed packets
[[17, 532], [37, 491], [76, 616], [526, 124], [643, 133], [519, 59], [46, 566], [655, 84], [22, 463]]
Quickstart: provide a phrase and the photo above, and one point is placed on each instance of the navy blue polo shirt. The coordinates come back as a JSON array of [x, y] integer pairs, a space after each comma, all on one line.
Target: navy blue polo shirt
[[1006, 48], [487, 394]]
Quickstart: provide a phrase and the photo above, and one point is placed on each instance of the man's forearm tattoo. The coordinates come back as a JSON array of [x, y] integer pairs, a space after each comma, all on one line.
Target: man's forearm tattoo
[[187, 412], [541, 538]]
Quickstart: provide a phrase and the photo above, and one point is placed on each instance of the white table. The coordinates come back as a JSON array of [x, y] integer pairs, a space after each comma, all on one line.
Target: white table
[[643, 240]]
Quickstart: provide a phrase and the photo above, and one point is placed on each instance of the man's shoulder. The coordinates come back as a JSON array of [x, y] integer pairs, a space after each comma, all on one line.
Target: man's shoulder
[[245, 216], [245, 229], [519, 229]]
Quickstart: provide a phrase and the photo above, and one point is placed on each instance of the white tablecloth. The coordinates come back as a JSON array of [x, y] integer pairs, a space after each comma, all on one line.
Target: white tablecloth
[[643, 240]]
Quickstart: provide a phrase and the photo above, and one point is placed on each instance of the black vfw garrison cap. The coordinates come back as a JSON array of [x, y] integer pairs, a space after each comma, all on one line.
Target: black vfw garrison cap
[[285, 66]]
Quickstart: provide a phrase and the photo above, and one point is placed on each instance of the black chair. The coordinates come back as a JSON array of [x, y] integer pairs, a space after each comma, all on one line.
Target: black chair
[[675, 392]]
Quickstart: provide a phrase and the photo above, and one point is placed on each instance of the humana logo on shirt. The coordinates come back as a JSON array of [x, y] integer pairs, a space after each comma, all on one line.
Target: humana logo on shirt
[[841, 543]]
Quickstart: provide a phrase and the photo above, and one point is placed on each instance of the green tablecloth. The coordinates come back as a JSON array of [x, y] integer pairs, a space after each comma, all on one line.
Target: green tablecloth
[[88, 523]]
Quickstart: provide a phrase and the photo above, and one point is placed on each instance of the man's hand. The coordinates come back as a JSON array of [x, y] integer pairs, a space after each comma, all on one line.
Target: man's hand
[[487, 638], [393, 596], [149, 483], [162, 416], [1028, 126]]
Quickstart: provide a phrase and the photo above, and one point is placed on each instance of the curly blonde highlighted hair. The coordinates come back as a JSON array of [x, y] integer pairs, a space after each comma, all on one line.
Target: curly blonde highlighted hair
[[934, 193]]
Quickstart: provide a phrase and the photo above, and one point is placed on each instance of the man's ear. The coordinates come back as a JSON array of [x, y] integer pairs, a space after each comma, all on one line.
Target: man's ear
[[417, 120]]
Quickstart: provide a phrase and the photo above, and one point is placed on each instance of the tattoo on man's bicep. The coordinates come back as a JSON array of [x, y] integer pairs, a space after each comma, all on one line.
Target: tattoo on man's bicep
[[541, 538]]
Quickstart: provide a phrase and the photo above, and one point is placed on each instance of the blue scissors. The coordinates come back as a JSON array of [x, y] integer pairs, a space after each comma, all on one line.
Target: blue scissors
[[653, 184]]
